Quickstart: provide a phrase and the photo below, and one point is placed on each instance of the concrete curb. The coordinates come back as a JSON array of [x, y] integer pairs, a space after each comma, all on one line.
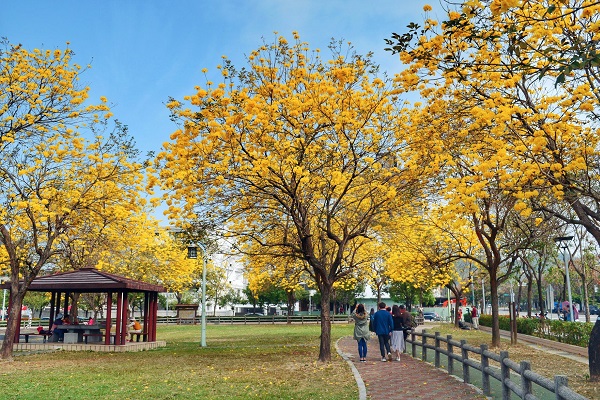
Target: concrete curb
[[362, 389]]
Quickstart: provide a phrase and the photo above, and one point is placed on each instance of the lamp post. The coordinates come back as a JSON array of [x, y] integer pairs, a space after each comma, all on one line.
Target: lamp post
[[482, 296], [562, 243], [311, 293], [3, 301], [192, 254], [550, 299]]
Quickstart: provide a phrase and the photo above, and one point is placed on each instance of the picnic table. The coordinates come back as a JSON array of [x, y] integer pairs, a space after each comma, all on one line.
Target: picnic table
[[79, 330]]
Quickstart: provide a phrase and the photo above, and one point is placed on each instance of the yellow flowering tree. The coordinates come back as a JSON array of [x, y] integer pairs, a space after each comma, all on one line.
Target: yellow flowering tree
[[144, 251], [521, 134], [52, 179], [291, 141], [430, 253]]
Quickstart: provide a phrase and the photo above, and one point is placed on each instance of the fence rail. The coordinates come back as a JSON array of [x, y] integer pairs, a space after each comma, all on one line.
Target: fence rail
[[446, 346], [266, 319]]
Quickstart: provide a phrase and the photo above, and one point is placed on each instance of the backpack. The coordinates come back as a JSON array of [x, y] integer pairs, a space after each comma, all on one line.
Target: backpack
[[413, 322]]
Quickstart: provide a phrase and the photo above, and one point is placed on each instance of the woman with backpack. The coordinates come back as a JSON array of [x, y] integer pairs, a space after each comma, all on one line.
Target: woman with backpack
[[361, 330]]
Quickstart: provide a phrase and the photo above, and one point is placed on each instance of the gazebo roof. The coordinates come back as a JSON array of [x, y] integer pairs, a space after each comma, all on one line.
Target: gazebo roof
[[88, 280]]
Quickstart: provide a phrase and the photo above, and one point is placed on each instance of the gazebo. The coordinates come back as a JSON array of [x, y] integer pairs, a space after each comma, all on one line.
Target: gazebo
[[90, 280]]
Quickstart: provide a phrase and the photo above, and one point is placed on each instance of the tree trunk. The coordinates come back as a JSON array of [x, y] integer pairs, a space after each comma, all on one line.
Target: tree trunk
[[585, 297], [74, 313], [519, 296], [14, 313], [594, 352], [495, 311], [540, 293], [325, 349], [529, 296]]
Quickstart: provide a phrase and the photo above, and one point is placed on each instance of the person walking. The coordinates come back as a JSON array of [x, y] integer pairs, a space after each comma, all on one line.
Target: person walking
[[397, 342], [475, 317], [384, 326], [361, 330], [406, 318]]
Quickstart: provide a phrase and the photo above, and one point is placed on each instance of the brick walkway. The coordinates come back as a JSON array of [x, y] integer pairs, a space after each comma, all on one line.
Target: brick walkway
[[405, 379]]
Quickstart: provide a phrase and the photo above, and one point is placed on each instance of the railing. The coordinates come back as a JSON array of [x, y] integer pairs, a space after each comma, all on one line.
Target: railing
[[267, 319], [524, 390]]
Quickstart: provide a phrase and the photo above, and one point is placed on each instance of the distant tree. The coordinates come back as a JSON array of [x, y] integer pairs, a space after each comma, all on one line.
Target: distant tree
[[36, 301], [232, 298], [404, 293]]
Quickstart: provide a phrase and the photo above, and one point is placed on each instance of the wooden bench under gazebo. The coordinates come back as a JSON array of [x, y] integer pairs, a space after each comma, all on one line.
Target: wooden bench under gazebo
[[90, 280]]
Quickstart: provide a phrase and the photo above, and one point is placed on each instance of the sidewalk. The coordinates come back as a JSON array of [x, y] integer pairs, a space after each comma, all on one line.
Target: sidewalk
[[405, 379]]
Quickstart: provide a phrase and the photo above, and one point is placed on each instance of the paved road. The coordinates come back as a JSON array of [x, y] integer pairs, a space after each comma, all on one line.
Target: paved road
[[405, 379]]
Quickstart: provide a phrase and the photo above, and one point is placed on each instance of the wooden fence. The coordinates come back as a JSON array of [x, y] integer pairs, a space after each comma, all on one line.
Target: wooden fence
[[266, 319], [524, 390]]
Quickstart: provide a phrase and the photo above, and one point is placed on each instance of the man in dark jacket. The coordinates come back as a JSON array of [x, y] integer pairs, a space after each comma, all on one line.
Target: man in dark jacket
[[384, 325]]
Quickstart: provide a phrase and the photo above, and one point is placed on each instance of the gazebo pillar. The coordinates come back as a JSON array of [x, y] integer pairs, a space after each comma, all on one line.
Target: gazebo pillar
[[108, 318], [52, 308], [124, 318], [118, 318], [146, 313], [154, 318]]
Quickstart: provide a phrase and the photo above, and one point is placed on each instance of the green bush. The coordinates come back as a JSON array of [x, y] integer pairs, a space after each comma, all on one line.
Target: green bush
[[577, 334], [485, 320], [527, 326]]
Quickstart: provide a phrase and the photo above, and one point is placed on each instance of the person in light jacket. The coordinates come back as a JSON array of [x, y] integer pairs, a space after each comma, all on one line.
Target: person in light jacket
[[361, 330]]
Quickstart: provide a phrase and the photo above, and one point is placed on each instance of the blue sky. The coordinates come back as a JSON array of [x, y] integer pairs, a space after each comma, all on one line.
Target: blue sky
[[142, 52]]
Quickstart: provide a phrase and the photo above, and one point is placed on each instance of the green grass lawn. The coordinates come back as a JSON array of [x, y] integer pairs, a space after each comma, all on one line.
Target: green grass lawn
[[240, 362]]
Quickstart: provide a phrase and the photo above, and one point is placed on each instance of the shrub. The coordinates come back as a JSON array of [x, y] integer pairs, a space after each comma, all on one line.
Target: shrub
[[485, 320], [577, 334], [527, 326]]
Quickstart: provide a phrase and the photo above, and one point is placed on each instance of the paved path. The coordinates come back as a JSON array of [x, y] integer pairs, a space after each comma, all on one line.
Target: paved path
[[405, 379]]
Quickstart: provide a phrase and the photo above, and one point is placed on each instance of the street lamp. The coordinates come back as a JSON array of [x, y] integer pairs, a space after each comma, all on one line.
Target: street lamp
[[562, 243], [482, 296], [193, 254], [311, 293], [3, 300]]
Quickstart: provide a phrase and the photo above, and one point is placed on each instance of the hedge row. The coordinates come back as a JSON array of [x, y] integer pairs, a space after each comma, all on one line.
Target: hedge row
[[577, 334]]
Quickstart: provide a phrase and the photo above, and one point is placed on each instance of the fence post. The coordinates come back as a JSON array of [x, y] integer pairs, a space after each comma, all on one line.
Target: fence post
[[450, 359], [505, 374], [485, 363], [559, 380], [437, 349], [413, 337], [525, 383], [423, 348], [465, 356]]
